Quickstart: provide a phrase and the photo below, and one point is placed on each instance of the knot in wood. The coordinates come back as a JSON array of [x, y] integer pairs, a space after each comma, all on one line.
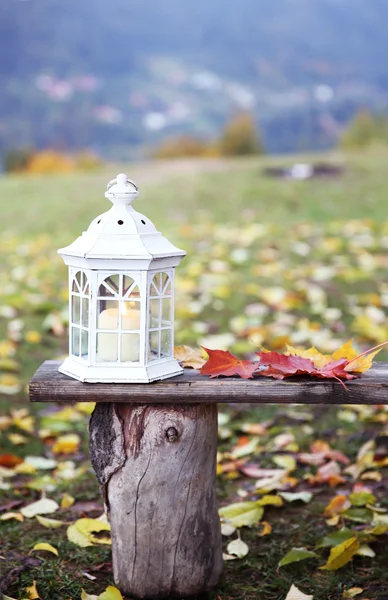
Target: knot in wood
[[172, 434]]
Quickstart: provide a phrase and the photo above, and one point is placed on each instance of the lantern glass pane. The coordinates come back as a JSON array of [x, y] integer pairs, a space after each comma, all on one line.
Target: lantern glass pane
[[84, 344], [164, 281], [154, 313], [107, 347], [128, 283], [155, 288], [110, 287], [166, 311], [79, 279], [166, 347], [75, 341], [153, 351], [108, 314], [130, 315], [130, 347], [168, 288], [75, 286], [85, 312], [75, 310]]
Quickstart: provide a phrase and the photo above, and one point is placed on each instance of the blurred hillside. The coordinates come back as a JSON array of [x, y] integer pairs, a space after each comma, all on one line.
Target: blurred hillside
[[118, 76]]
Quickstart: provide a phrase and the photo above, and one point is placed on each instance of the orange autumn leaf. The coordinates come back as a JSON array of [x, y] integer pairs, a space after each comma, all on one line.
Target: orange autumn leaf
[[337, 505], [9, 461], [222, 362]]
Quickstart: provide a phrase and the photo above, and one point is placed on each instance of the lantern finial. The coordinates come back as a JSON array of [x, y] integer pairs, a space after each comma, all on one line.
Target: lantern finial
[[122, 190]]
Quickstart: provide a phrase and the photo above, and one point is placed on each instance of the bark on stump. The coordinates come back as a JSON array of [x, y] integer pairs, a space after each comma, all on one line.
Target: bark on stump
[[156, 465]]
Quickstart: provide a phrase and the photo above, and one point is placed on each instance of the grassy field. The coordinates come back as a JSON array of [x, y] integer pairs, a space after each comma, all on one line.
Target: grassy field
[[269, 262]]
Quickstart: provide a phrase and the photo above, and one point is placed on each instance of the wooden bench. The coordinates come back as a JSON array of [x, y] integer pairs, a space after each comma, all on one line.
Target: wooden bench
[[153, 448]]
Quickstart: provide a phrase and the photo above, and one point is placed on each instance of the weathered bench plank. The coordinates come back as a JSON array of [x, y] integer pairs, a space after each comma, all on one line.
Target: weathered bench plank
[[48, 385]]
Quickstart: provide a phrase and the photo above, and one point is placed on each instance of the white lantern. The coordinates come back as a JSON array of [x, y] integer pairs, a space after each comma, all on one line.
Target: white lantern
[[121, 296]]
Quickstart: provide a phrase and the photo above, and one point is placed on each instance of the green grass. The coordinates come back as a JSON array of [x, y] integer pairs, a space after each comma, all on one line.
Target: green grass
[[223, 191]]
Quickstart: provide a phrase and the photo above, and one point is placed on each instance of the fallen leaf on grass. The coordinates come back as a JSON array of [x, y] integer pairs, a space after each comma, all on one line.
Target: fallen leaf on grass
[[9, 461], [67, 444], [296, 555], [238, 548], [340, 555], [305, 497], [67, 501], [352, 592], [295, 594], [111, 593], [49, 523], [267, 528], [227, 529], [45, 506], [46, 547], [85, 596], [336, 538], [32, 592], [270, 500], [337, 505], [82, 532], [12, 515], [242, 514]]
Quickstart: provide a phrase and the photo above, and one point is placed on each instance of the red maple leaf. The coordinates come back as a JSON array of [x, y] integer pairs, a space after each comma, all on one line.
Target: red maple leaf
[[222, 362], [335, 370], [280, 366]]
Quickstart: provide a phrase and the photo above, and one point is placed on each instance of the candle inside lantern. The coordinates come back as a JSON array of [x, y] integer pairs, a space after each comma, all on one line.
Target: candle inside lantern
[[107, 342]]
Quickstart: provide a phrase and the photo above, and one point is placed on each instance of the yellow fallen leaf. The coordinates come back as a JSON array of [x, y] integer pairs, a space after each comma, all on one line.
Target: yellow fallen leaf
[[12, 515], [270, 500], [340, 555], [32, 592], [33, 337], [77, 537], [67, 501], [49, 523], [285, 461], [85, 407], [46, 547], [352, 592], [345, 351], [17, 438], [67, 444], [82, 532], [267, 528], [111, 593], [363, 363], [189, 357]]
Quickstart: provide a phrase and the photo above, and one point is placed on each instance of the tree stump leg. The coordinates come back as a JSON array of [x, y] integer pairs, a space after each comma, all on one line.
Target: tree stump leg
[[156, 465]]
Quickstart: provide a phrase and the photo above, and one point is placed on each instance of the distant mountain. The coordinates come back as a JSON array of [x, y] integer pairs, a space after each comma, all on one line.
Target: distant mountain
[[118, 75]]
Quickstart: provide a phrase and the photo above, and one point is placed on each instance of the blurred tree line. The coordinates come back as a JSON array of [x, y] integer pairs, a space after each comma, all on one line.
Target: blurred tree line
[[365, 129], [240, 137]]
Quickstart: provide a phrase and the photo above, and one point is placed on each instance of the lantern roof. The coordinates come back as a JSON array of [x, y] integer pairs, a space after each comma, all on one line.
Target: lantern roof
[[121, 232]]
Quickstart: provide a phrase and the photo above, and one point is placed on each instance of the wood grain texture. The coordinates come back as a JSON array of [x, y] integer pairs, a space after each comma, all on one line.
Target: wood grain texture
[[48, 385], [160, 495]]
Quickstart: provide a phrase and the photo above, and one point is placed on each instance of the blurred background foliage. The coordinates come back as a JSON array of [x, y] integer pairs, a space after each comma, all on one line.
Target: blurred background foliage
[[121, 77]]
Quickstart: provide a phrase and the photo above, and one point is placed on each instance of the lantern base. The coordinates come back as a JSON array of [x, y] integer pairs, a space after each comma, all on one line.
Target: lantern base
[[120, 374]]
